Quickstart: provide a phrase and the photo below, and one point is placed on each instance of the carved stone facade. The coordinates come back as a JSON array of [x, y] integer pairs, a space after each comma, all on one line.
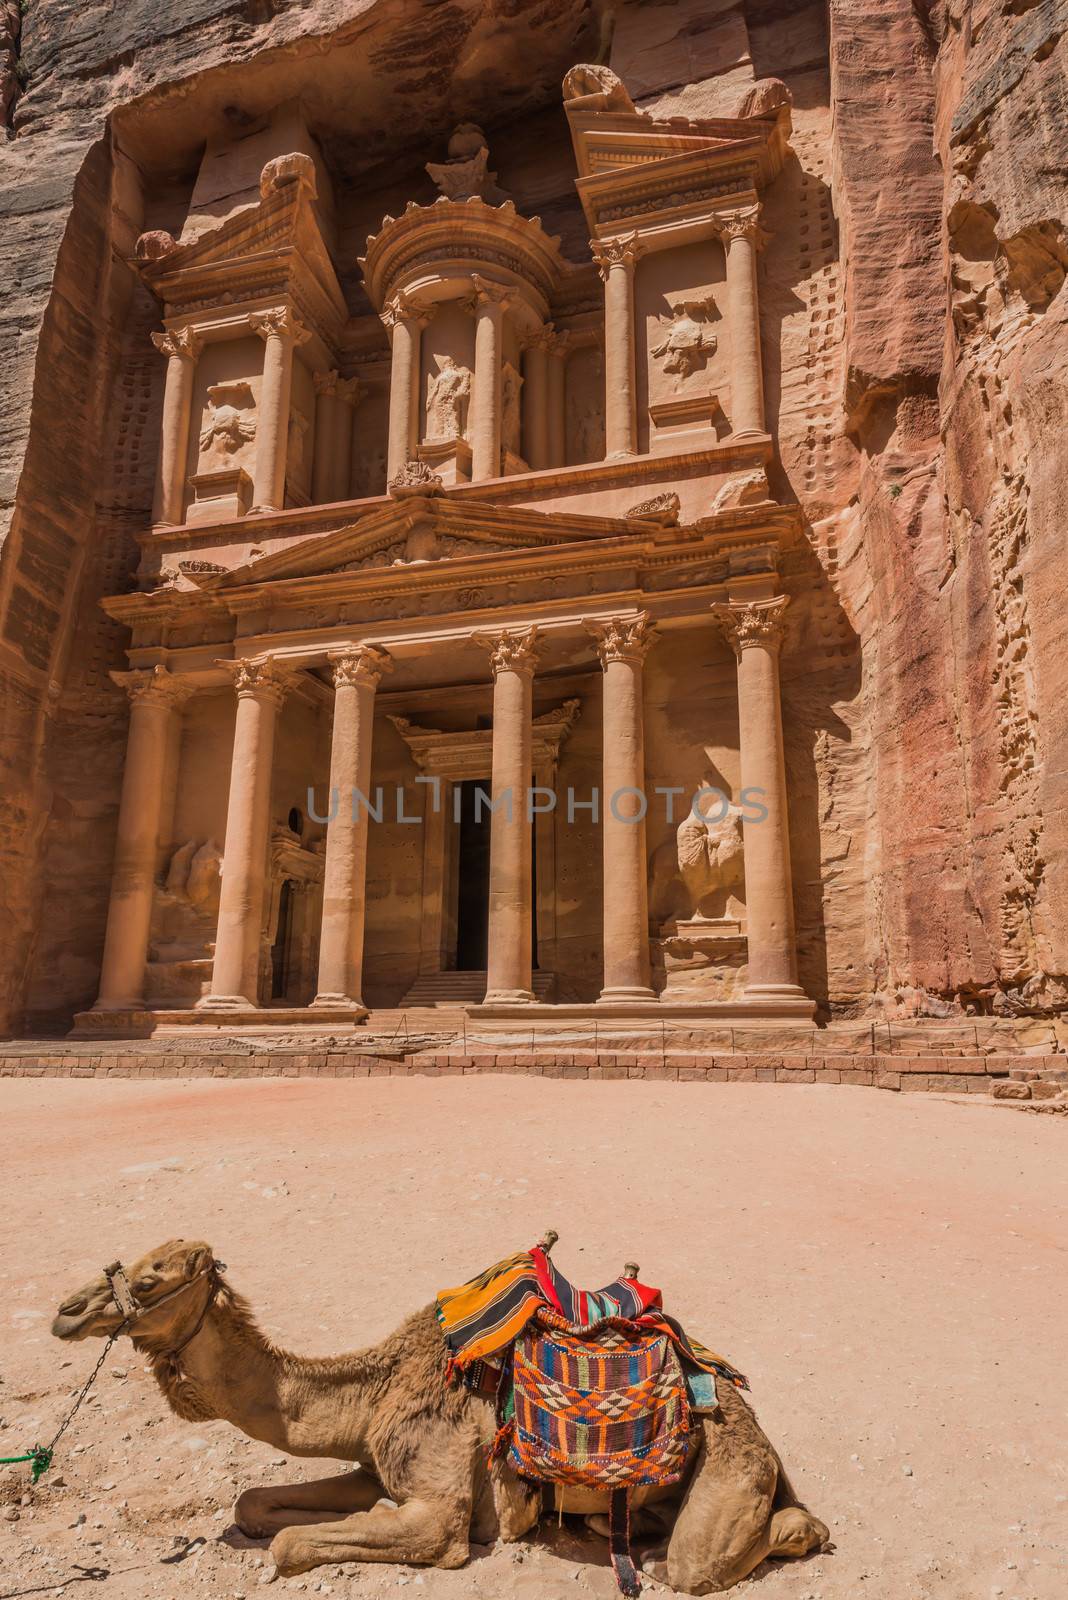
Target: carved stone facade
[[395, 444]]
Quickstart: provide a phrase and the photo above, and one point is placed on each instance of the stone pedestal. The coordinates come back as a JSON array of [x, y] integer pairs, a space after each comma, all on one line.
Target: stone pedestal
[[220, 496], [449, 458], [622, 644], [356, 676], [700, 959]]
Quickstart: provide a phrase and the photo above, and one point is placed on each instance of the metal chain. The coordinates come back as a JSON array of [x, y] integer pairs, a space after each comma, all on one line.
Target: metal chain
[[41, 1455]]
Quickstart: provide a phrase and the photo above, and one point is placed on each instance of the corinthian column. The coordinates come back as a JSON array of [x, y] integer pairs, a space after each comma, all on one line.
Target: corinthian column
[[755, 633], [281, 332], [622, 643], [405, 321], [181, 348], [536, 399], [356, 676], [557, 348], [154, 698], [490, 302], [236, 970], [742, 237], [513, 656], [616, 259]]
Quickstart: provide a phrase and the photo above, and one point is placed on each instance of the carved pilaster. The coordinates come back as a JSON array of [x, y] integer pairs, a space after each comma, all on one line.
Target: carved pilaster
[[758, 623], [622, 638]]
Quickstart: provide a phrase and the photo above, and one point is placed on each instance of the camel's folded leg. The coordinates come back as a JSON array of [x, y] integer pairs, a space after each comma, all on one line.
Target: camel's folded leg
[[261, 1513], [422, 1533]]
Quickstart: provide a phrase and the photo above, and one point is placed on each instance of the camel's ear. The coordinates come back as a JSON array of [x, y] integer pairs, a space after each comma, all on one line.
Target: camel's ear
[[197, 1261]]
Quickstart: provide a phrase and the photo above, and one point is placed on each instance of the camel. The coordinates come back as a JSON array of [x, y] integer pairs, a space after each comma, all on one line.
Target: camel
[[423, 1491]]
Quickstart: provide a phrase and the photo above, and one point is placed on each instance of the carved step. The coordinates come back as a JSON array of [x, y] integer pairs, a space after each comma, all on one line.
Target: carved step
[[465, 989]]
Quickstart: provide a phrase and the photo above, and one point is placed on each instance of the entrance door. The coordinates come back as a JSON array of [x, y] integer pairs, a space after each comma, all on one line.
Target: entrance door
[[472, 904], [280, 948]]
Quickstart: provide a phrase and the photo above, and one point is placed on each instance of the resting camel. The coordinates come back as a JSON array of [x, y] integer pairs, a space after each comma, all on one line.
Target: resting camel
[[422, 1442]]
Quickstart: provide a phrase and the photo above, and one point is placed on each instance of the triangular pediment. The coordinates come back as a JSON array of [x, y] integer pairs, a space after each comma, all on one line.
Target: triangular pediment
[[416, 532]]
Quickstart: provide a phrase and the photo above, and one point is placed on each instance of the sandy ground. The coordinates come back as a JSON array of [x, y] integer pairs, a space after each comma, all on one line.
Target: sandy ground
[[889, 1270]]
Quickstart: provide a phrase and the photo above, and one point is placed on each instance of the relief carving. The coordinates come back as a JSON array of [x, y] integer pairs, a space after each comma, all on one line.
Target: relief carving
[[511, 384], [688, 342], [599, 85], [415, 477], [696, 874], [447, 401], [227, 427], [743, 489], [465, 176], [295, 168], [662, 510]]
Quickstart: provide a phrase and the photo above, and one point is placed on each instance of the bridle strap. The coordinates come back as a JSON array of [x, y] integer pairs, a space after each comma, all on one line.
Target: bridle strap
[[133, 1309]]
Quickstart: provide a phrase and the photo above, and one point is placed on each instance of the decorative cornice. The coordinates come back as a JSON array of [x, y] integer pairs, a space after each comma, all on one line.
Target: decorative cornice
[[364, 664], [511, 650], [760, 623], [621, 252], [622, 638], [153, 685], [181, 342], [260, 679], [281, 323]]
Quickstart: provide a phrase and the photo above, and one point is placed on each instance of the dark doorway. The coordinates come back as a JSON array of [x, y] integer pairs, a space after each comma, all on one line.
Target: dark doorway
[[472, 908], [280, 948]]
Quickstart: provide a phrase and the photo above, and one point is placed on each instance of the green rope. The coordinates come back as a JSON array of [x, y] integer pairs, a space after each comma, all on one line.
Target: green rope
[[41, 1458]]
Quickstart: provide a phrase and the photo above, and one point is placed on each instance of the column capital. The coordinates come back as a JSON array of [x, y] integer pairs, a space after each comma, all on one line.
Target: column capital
[[488, 293], [351, 391], [621, 252], [185, 343], [326, 384], [364, 663], [758, 623], [261, 679], [546, 338], [280, 323], [742, 225], [622, 638], [511, 650], [156, 685], [402, 308]]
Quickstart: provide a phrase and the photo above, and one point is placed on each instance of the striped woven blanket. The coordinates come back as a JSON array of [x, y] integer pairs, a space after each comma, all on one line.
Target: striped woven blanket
[[483, 1318]]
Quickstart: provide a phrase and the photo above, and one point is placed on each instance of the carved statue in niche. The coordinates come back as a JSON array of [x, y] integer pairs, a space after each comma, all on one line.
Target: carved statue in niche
[[465, 176], [447, 400], [688, 341], [298, 427], [227, 428], [705, 863], [511, 384]]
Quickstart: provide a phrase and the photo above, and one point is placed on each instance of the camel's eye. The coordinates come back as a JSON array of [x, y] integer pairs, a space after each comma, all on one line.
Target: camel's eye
[[143, 1285]]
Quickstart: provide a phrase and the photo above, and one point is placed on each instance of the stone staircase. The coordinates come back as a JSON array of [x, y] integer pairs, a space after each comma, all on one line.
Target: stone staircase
[[442, 989]]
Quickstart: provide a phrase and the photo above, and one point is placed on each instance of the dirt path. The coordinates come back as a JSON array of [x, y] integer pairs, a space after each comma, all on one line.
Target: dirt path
[[889, 1271]]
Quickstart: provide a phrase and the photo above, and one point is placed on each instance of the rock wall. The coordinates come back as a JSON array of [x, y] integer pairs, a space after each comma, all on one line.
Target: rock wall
[[915, 350]]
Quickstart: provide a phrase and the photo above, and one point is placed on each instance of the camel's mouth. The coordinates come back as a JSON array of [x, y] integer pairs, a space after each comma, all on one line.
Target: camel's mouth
[[79, 1318]]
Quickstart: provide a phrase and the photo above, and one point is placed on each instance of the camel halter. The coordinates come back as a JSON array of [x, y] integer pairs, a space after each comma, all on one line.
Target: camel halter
[[131, 1310]]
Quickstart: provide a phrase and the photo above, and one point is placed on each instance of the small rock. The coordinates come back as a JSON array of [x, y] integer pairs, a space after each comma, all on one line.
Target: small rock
[[79, 1520], [11, 1513], [907, 1471]]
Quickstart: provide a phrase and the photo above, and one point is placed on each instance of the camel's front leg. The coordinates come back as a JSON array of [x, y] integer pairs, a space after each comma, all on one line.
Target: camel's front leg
[[261, 1513], [421, 1533]]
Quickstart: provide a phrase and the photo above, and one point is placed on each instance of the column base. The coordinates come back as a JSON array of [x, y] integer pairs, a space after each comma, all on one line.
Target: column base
[[263, 511], [748, 433], [611, 997], [508, 997], [774, 991], [134, 1003], [225, 1002], [338, 1002]]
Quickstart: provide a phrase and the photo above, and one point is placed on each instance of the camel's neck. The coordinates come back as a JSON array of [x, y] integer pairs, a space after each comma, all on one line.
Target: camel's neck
[[303, 1406]]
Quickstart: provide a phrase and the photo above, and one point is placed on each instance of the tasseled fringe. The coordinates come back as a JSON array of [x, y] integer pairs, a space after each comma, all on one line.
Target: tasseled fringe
[[501, 1440]]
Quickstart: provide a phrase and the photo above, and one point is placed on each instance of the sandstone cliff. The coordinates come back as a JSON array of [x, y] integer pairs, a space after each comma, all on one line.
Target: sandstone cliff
[[915, 350]]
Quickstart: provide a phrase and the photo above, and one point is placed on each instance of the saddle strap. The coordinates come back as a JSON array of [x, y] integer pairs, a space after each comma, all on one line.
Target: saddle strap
[[627, 1577]]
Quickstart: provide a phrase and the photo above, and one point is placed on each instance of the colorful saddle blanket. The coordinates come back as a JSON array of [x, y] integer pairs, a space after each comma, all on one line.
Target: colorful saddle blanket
[[607, 1411]]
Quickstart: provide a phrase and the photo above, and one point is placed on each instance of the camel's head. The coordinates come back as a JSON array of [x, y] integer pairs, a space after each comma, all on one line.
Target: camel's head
[[155, 1278]]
